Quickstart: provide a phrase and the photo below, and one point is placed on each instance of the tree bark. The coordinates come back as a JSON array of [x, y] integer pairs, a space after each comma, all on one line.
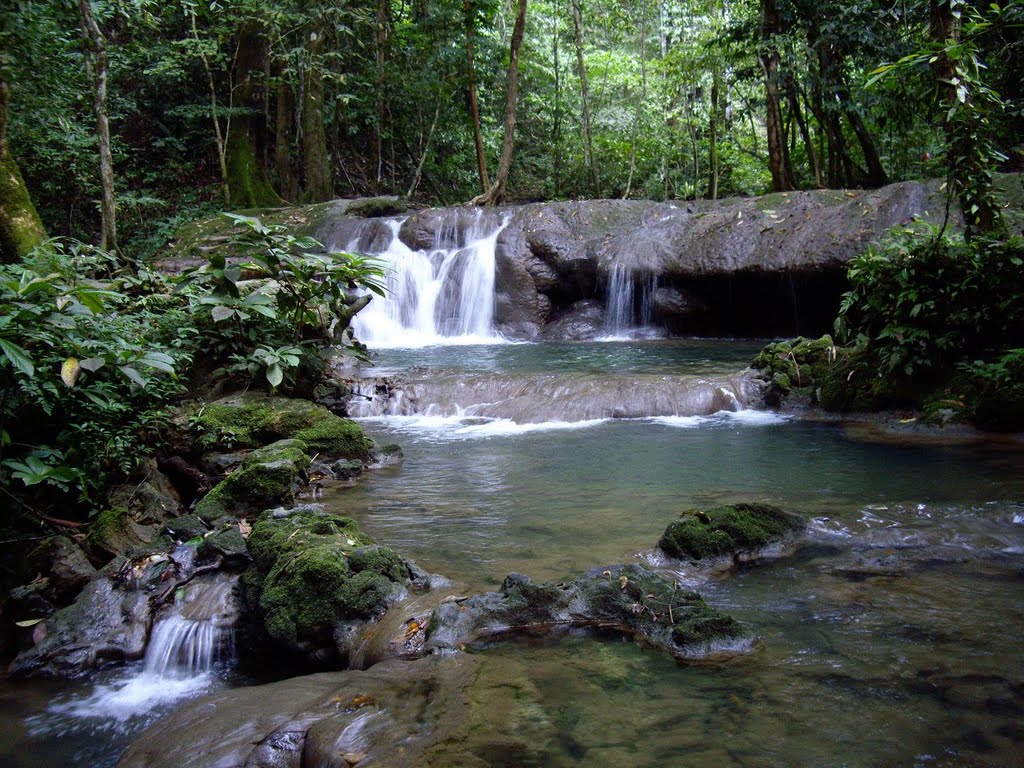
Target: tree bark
[[588, 143], [713, 120], [217, 135], [793, 97], [497, 191], [556, 133], [21, 230], [640, 99], [782, 177], [283, 126], [247, 176], [96, 44], [319, 179], [383, 34], [474, 103]]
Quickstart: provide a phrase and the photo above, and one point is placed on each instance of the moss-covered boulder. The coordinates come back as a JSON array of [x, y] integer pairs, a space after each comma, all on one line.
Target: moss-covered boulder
[[647, 605], [252, 420], [267, 477], [796, 365], [316, 578], [113, 532], [740, 531]]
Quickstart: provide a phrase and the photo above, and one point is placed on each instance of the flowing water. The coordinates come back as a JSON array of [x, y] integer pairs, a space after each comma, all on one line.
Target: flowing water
[[87, 722], [891, 637]]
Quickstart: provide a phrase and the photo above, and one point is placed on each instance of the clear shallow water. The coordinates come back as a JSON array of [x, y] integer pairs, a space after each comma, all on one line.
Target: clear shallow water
[[892, 638]]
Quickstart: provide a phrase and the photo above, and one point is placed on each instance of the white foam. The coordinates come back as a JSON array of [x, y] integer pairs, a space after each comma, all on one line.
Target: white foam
[[746, 417], [402, 338], [463, 427]]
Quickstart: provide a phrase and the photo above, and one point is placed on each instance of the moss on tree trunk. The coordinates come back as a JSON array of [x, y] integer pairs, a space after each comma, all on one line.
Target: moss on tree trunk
[[21, 230]]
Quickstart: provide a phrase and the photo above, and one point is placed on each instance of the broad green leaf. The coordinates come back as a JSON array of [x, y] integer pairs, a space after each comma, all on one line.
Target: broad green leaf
[[275, 375], [221, 313], [93, 364], [19, 358], [132, 375]]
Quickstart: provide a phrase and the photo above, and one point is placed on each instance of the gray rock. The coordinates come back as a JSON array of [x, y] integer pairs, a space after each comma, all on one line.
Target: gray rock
[[64, 565], [583, 320]]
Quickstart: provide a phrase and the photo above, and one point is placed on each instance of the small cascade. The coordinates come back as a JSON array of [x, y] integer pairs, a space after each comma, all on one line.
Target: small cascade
[[629, 306], [443, 295], [192, 636]]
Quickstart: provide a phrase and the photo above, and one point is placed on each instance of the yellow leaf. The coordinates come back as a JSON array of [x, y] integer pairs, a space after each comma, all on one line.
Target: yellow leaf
[[69, 372], [27, 623]]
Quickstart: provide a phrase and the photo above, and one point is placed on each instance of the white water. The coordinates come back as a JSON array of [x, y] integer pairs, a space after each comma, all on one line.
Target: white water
[[187, 642], [625, 316], [444, 295]]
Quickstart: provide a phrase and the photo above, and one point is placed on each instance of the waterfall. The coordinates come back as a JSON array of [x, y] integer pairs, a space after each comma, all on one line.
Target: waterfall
[[443, 295], [625, 311], [189, 639]]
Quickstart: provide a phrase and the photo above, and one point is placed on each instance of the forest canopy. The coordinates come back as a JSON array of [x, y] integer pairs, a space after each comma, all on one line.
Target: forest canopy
[[243, 104]]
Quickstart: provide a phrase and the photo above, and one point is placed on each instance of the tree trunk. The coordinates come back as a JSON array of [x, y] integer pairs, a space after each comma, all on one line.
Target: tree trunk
[[247, 177], [713, 120], [588, 143], [474, 103], [217, 135], [497, 192], [383, 30], [556, 134], [793, 97], [876, 175], [283, 127], [319, 179], [96, 44], [20, 227], [640, 99], [782, 177]]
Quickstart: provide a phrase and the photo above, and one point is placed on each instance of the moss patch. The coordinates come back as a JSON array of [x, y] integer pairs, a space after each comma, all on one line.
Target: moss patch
[[374, 207], [335, 436], [267, 477], [312, 571], [727, 529]]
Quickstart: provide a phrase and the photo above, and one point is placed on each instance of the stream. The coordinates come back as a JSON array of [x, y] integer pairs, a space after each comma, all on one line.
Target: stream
[[891, 636]]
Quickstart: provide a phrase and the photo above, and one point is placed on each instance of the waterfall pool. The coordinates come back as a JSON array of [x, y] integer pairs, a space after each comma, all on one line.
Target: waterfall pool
[[890, 637]]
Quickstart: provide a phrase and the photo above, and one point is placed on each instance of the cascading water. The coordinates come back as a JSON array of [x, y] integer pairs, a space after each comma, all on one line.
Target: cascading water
[[444, 295], [625, 312], [190, 638]]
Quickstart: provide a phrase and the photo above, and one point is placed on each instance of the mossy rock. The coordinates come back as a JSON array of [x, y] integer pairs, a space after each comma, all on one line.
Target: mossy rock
[[185, 528], [252, 420], [226, 542], [728, 530], [376, 207], [313, 572], [114, 532], [267, 477], [797, 363]]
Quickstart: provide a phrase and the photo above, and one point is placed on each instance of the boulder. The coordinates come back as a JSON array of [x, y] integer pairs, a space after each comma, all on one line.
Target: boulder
[[114, 532], [732, 532], [583, 320], [64, 565], [650, 607], [317, 581]]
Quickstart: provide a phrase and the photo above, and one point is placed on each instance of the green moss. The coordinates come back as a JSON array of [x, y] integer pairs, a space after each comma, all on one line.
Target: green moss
[[312, 570], [292, 450], [110, 532], [335, 436], [21, 229], [706, 625], [381, 560], [727, 529], [247, 180], [374, 207], [252, 487]]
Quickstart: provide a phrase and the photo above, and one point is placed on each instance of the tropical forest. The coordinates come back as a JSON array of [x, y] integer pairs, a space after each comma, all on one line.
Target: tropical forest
[[510, 383]]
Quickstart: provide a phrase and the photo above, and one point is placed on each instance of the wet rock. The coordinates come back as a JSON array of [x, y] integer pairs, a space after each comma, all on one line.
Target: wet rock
[[150, 497], [737, 532], [650, 607], [64, 565], [113, 532], [267, 476], [226, 543], [672, 306], [317, 581], [387, 456], [375, 207], [105, 623], [185, 528], [220, 464], [391, 714], [583, 320], [796, 365]]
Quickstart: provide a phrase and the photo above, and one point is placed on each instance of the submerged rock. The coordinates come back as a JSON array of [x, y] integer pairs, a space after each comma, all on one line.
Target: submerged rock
[[739, 532], [650, 607]]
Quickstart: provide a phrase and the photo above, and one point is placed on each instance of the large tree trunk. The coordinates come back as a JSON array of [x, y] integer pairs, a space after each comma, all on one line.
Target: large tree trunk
[[247, 177], [876, 175], [714, 118], [556, 133], [96, 44], [497, 191], [383, 34], [283, 128], [588, 143], [319, 179], [640, 99], [793, 97], [20, 227], [474, 102], [782, 177]]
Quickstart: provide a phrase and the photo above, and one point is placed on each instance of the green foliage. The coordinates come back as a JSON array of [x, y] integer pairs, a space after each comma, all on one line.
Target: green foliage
[[83, 386], [923, 302]]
